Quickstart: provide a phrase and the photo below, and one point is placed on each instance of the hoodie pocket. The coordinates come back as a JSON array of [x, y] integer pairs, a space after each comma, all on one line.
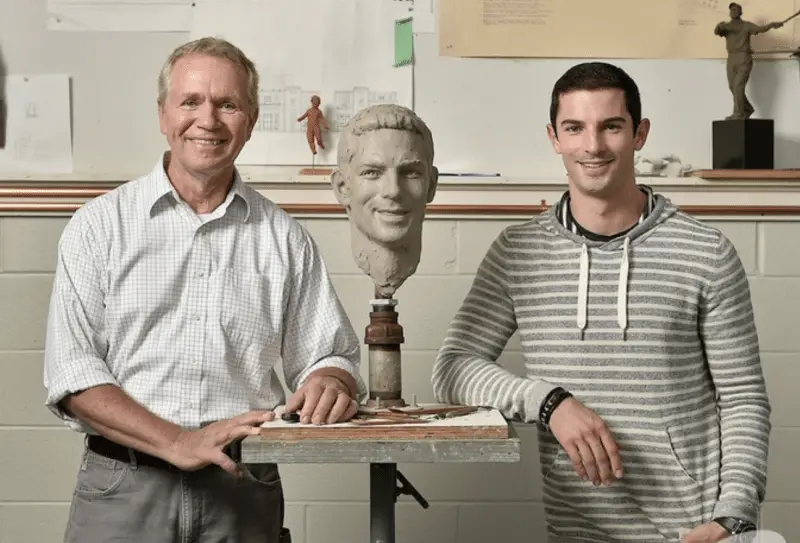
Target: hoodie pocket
[[695, 446]]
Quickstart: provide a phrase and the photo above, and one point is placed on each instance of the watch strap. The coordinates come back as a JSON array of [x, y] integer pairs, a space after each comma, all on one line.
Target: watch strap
[[734, 525]]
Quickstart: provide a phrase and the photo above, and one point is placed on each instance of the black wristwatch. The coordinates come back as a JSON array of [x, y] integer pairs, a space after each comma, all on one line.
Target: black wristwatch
[[734, 525]]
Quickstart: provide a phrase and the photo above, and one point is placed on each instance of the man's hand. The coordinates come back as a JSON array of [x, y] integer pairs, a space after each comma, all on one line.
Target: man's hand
[[776, 24], [195, 449], [588, 442], [711, 532], [323, 399]]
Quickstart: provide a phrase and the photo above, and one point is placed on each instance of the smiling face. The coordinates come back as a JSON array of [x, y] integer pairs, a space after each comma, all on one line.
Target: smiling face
[[206, 115], [595, 136], [387, 185]]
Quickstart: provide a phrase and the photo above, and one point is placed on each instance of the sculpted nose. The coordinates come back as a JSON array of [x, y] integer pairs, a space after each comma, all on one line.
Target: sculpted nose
[[390, 184]]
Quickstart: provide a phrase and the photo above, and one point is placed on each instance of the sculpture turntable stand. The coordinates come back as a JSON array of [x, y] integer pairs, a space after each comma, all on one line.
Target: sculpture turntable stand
[[383, 439]]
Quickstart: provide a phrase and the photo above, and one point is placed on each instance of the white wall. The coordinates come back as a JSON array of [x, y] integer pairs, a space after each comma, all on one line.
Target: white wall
[[471, 503]]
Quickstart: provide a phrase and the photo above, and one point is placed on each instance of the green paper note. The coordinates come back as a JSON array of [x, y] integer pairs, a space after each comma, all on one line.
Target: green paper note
[[403, 42]]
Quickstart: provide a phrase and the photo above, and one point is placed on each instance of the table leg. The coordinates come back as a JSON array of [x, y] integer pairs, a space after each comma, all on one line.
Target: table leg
[[383, 479], [382, 499]]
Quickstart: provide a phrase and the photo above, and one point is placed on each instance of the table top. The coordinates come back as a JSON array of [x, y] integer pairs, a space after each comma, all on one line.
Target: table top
[[480, 437], [257, 449]]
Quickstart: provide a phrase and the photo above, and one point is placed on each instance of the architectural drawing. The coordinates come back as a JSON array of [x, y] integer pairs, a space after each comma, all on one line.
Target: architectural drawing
[[713, 6], [279, 108]]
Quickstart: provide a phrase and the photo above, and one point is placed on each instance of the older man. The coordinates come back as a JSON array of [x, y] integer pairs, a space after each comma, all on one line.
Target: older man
[[174, 297]]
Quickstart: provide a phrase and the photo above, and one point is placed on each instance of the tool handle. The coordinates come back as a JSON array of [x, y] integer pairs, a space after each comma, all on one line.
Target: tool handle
[[790, 18]]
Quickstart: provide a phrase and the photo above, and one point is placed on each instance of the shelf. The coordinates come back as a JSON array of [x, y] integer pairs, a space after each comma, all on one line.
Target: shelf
[[748, 175]]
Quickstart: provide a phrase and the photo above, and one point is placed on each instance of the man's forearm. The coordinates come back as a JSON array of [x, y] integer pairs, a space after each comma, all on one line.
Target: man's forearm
[[118, 417]]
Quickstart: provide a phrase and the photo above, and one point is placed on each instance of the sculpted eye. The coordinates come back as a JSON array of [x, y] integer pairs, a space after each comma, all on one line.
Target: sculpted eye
[[370, 174]]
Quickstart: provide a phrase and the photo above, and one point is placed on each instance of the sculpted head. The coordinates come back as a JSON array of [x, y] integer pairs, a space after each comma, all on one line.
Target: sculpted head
[[384, 179]]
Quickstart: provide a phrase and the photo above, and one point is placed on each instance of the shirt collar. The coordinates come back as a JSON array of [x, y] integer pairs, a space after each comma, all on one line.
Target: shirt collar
[[158, 186]]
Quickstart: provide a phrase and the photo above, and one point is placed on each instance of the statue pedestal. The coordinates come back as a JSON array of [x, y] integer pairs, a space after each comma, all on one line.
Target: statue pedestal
[[743, 144]]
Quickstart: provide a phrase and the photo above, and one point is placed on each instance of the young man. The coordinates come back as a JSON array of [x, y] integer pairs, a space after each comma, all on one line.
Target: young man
[[174, 297], [637, 329]]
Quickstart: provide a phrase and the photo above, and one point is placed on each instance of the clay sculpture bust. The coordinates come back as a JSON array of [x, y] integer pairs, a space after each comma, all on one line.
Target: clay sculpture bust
[[384, 178]]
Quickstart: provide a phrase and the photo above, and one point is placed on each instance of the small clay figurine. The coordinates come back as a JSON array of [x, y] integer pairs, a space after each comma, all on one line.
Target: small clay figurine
[[316, 121], [737, 34]]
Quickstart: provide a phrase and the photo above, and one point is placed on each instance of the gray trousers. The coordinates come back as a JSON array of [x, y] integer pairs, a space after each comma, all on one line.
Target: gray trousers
[[125, 502]]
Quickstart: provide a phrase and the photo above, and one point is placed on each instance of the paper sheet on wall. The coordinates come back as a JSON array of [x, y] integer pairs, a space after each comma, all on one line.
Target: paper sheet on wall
[[340, 50], [119, 15], [37, 130], [607, 29], [425, 16]]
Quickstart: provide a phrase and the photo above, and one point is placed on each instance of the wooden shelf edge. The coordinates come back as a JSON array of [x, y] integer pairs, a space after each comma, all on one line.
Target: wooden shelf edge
[[767, 175], [466, 209]]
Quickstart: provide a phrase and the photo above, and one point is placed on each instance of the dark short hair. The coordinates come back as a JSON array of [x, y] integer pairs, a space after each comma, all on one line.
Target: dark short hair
[[734, 4], [596, 76]]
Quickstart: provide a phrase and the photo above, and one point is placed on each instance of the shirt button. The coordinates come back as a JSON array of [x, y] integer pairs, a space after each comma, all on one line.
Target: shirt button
[[197, 318]]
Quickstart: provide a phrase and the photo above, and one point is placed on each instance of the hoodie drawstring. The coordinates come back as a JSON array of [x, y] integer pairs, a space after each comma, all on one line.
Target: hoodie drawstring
[[583, 288], [622, 289]]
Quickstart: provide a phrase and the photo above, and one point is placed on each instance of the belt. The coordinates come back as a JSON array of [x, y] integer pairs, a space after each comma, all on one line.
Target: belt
[[115, 451]]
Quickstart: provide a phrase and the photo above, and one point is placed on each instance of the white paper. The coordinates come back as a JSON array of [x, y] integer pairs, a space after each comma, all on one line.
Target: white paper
[[341, 50], [119, 15], [425, 16], [38, 132]]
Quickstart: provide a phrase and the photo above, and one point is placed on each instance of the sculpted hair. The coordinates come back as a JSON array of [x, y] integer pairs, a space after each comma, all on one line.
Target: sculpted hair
[[377, 117], [596, 76], [214, 47]]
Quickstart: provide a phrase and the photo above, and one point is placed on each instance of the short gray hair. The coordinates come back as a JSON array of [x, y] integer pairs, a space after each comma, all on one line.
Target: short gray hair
[[214, 47], [377, 117]]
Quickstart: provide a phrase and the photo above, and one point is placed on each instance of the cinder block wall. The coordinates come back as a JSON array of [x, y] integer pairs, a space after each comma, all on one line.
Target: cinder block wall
[[328, 504]]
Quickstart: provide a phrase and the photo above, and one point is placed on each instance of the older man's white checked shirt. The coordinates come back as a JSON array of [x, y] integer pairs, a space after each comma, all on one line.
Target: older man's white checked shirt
[[190, 315]]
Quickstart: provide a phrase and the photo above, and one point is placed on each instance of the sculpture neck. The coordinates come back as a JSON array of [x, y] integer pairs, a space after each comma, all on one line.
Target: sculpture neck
[[387, 265]]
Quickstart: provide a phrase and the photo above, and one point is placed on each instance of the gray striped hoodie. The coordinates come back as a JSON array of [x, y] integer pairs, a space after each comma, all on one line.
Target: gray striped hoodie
[[654, 332]]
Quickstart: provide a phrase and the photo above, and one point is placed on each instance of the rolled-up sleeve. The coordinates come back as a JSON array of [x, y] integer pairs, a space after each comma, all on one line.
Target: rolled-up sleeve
[[76, 344], [317, 331]]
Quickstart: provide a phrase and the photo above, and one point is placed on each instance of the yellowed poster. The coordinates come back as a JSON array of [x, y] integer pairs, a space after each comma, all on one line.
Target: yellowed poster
[[605, 28]]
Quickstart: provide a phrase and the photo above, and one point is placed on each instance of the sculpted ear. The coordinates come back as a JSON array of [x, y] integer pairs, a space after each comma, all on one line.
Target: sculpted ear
[[341, 187], [434, 182]]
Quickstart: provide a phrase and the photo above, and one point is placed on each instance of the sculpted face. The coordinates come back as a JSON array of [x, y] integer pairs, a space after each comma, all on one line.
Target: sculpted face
[[384, 179], [387, 185]]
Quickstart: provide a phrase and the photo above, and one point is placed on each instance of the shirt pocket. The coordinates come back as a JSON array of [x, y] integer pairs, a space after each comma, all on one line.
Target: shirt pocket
[[252, 308]]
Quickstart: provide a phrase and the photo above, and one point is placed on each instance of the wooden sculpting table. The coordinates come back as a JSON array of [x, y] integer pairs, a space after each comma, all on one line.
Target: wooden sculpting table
[[483, 436]]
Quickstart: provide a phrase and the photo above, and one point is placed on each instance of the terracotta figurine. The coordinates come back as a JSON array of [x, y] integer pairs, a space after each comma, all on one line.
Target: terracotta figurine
[[737, 34], [316, 121]]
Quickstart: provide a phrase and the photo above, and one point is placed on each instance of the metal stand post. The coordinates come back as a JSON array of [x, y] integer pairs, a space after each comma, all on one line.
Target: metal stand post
[[384, 490]]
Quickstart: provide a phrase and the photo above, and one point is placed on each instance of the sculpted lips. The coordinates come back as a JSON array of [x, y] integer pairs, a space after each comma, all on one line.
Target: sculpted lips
[[392, 215]]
